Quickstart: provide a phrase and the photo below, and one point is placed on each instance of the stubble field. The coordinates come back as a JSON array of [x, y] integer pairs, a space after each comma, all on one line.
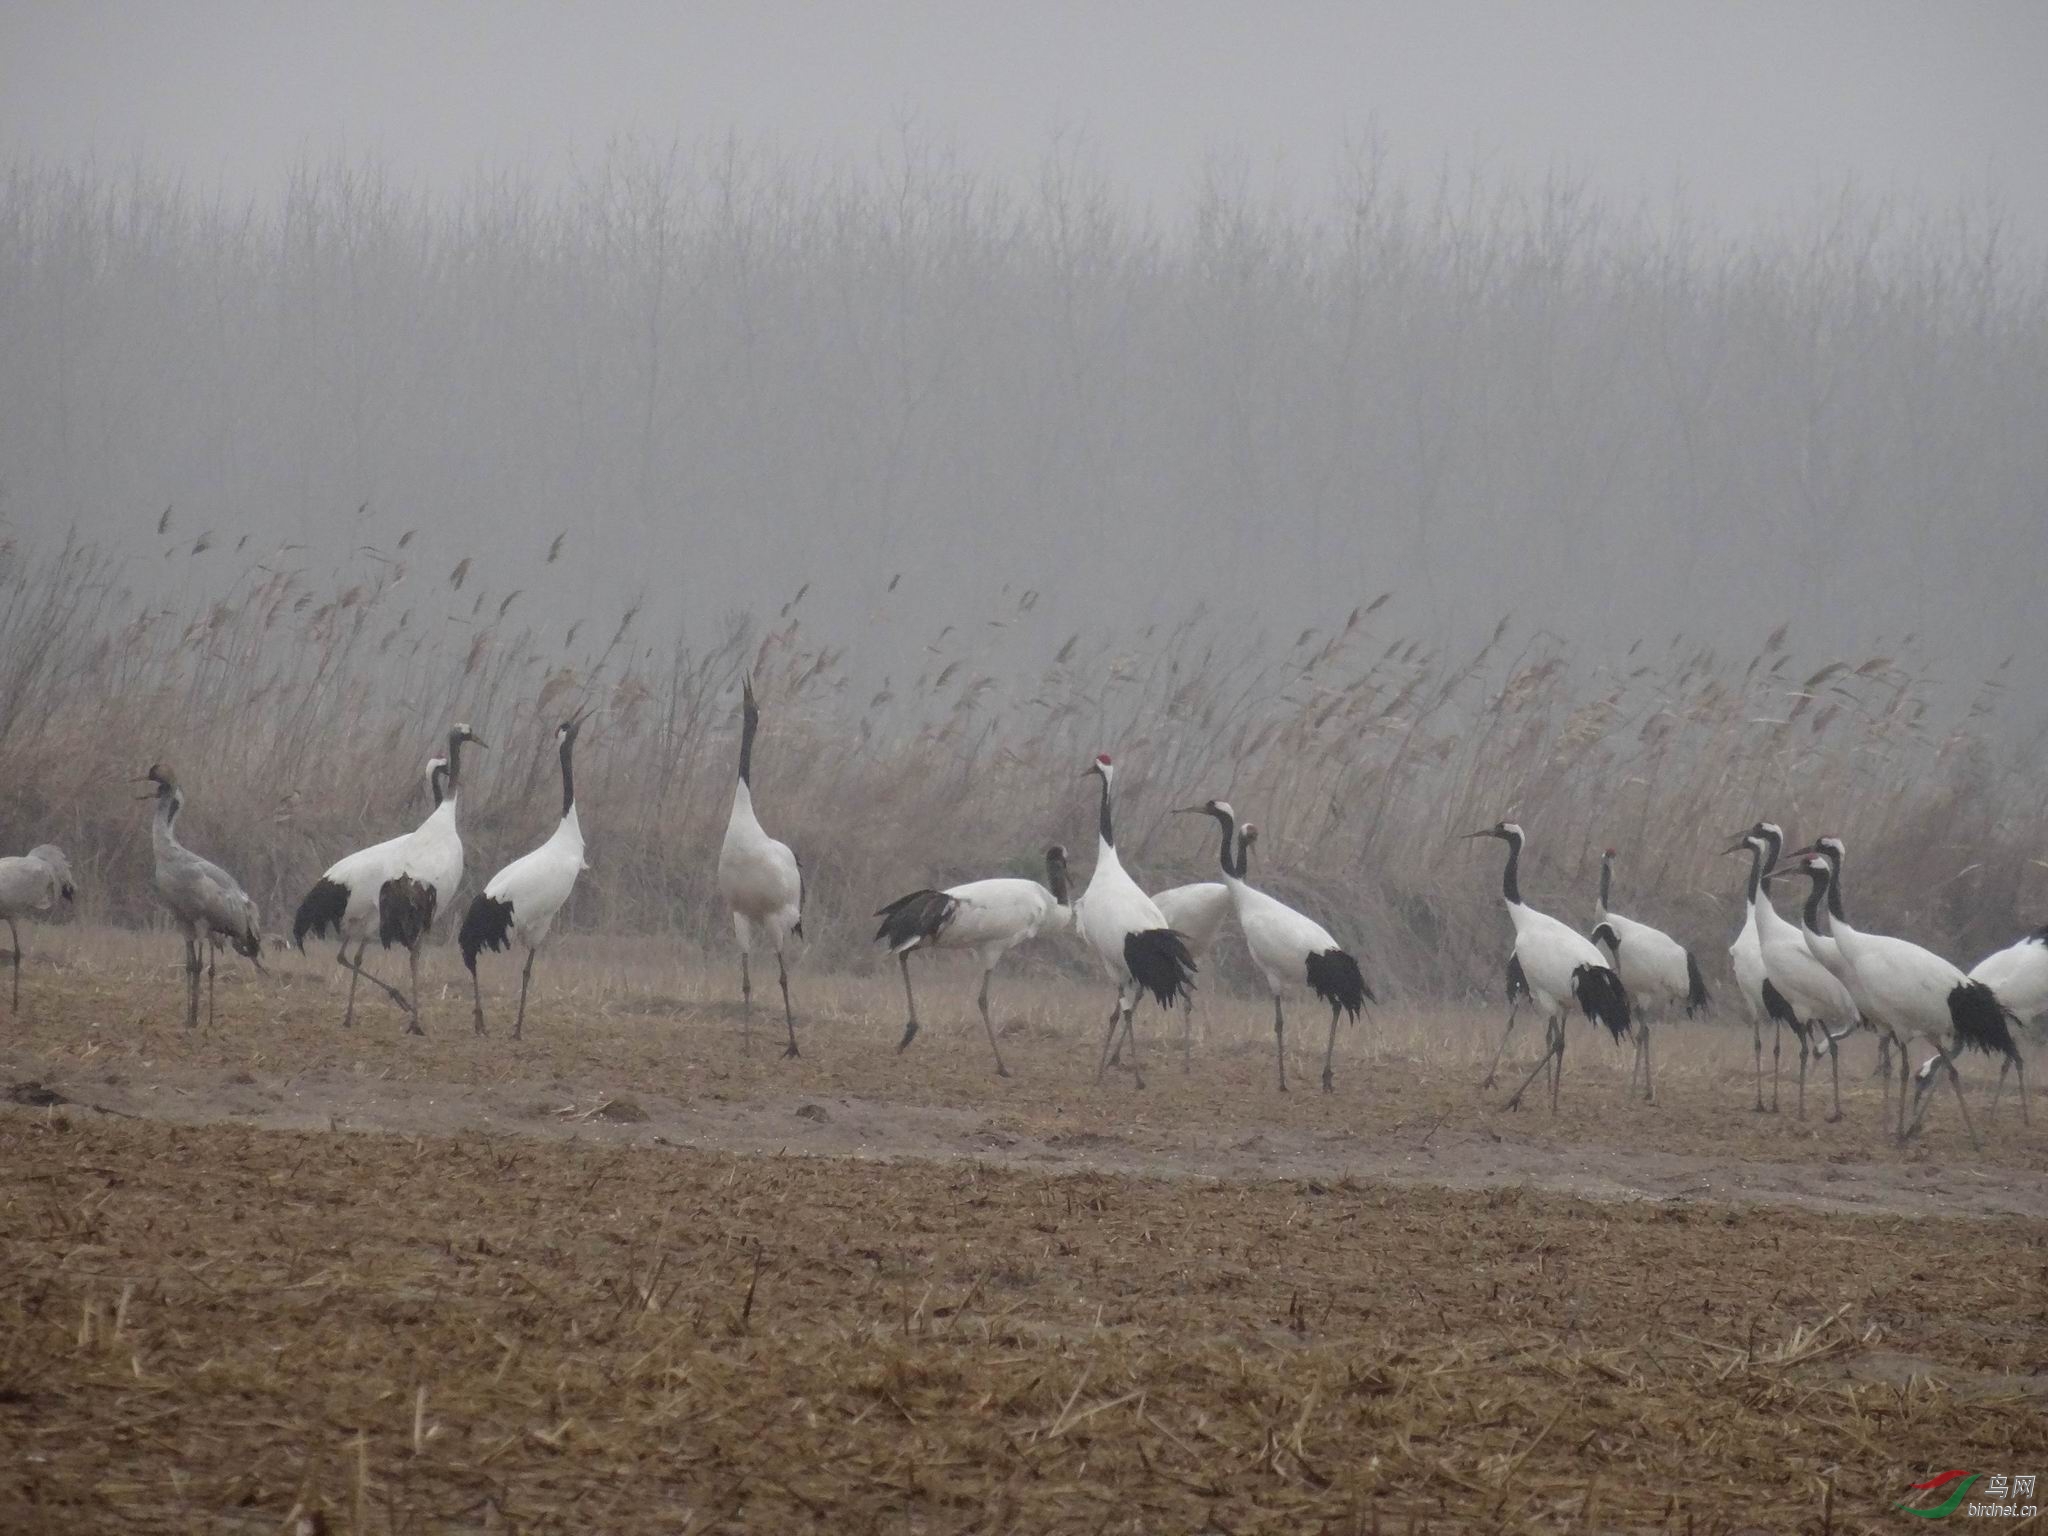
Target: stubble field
[[625, 1274]]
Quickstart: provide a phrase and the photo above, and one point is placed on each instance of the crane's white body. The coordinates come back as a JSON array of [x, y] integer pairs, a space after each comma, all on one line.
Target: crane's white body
[[986, 917], [31, 882], [2018, 974], [347, 899], [1816, 998], [760, 879], [520, 902], [1196, 911]]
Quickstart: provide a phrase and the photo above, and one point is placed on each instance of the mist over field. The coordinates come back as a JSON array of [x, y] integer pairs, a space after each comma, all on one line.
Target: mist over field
[[1387, 496]]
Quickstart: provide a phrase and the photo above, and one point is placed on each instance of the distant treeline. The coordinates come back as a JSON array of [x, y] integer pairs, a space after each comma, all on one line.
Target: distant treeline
[[727, 373]]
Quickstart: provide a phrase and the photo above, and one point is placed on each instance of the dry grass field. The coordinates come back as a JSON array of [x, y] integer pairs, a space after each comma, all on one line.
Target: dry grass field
[[625, 1275]]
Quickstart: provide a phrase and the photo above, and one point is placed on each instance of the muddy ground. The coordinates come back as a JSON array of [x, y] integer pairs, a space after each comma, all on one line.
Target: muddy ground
[[625, 1274]]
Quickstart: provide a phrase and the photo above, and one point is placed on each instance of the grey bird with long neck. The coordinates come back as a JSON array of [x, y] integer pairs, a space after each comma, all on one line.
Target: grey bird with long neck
[[32, 882], [207, 903]]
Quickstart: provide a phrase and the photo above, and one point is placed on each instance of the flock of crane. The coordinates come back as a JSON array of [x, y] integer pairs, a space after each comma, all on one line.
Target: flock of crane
[[1821, 978]]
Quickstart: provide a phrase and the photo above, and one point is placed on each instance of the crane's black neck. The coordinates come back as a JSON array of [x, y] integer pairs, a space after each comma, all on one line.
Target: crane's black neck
[[1056, 875], [169, 802], [437, 781], [568, 775], [1774, 844], [750, 721], [1606, 874], [1834, 885], [1510, 881], [1756, 868], [1103, 824], [1229, 825], [454, 763], [1816, 897], [1244, 853]]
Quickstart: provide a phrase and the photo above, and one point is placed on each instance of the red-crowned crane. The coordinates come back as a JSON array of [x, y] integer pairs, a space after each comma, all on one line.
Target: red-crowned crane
[[1760, 999], [1560, 967], [1829, 954], [1913, 991], [1127, 931], [760, 878], [521, 901], [32, 882], [206, 900], [1290, 948], [989, 917], [1657, 971], [361, 896], [1813, 995]]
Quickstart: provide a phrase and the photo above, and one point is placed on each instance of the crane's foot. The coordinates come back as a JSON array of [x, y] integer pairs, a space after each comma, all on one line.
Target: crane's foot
[[909, 1034], [790, 1050], [1834, 1115], [1514, 1102], [1329, 1082], [412, 1027], [479, 1025], [1001, 1070]]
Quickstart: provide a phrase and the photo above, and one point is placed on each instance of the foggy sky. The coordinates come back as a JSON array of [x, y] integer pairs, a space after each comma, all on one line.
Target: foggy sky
[[1744, 110]]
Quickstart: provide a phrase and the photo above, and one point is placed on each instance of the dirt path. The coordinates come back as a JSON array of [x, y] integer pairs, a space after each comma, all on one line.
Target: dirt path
[[1407, 1153]]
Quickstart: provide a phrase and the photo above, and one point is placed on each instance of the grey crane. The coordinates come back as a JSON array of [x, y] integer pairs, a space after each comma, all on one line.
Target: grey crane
[[31, 882], [207, 902]]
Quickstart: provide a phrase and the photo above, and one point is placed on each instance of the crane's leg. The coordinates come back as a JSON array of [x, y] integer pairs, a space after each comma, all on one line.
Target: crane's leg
[[525, 979], [1187, 1033], [476, 990], [746, 1003], [2019, 1065], [1501, 1049], [1777, 1050], [348, 1014], [1805, 1051], [910, 1029], [988, 1023], [1649, 1087], [1330, 1054], [1280, 1040], [788, 1013], [1835, 1077], [1884, 1057], [1131, 1035], [412, 1022], [1557, 1063], [212, 959], [1955, 1082], [1542, 1065], [14, 935], [356, 965], [191, 983], [1116, 1018], [1756, 1042]]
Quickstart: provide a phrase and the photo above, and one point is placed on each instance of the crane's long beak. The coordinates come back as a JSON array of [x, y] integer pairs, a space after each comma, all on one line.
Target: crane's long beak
[[1799, 853], [1191, 810], [478, 741], [1741, 846], [1482, 832]]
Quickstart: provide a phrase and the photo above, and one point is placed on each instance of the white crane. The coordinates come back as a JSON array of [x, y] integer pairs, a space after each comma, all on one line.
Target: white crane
[[360, 896], [1829, 954], [1290, 948], [760, 879], [2019, 975], [520, 902], [32, 882], [989, 917], [207, 902], [1560, 967], [1813, 995], [1913, 991], [1658, 972], [1128, 933], [1759, 998]]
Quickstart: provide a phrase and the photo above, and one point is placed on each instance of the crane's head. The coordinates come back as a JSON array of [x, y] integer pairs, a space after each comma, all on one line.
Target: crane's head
[[1605, 935], [1220, 809], [1766, 836], [1056, 874], [566, 732], [160, 775], [52, 857], [1102, 767], [1247, 838], [464, 736], [1806, 862], [1507, 831]]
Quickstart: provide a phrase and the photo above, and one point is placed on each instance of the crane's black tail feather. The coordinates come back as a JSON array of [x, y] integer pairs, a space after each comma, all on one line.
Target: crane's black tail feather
[[1518, 984], [1982, 1023], [405, 911], [1602, 997], [323, 909], [918, 918], [1695, 986], [1335, 978], [486, 925], [1158, 958], [1776, 1006]]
